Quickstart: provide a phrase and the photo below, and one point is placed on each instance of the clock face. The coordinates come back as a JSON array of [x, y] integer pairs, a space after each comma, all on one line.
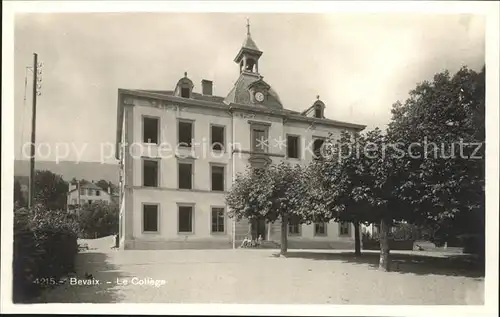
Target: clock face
[[259, 96]]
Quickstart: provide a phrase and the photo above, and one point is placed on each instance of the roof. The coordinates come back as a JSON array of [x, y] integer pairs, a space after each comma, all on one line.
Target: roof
[[194, 95], [249, 47], [89, 186], [240, 93], [250, 44]]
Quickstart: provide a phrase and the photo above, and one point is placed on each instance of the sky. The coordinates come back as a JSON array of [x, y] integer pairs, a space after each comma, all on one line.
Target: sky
[[358, 63]]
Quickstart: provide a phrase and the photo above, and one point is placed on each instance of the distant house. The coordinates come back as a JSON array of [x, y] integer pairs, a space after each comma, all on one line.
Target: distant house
[[24, 182], [87, 193]]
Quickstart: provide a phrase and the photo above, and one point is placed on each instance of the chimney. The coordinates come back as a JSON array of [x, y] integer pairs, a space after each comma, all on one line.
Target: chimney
[[206, 87]]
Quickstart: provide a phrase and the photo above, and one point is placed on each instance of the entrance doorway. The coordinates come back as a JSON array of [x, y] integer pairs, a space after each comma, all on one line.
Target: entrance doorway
[[259, 229]]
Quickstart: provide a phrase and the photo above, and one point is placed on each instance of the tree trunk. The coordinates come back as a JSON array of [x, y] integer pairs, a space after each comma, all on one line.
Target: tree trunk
[[384, 264], [357, 239], [284, 234]]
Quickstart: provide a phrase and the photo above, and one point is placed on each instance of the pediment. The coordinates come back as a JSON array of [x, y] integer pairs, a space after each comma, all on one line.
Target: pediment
[[259, 84]]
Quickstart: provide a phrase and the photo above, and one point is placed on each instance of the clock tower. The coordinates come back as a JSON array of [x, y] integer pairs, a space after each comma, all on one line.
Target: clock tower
[[250, 88]]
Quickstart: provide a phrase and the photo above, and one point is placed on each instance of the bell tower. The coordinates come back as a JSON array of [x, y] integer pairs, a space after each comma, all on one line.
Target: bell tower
[[249, 54]]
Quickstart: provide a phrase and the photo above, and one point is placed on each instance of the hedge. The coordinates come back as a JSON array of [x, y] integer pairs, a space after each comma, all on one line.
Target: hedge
[[45, 246]]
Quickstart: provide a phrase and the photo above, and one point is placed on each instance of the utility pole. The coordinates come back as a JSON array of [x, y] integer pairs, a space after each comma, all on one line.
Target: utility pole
[[33, 133], [79, 199], [37, 70]]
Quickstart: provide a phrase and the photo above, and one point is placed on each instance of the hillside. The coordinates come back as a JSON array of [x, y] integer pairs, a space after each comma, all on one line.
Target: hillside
[[68, 170]]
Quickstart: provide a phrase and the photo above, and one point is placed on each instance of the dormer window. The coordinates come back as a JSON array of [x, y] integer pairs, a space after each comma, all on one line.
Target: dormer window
[[185, 92], [184, 87], [318, 112]]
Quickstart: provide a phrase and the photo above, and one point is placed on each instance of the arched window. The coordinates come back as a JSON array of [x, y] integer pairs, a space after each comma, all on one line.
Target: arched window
[[318, 148], [250, 65]]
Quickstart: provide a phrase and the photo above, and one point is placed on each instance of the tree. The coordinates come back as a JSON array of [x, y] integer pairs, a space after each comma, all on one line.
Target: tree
[[271, 193], [99, 219], [386, 173], [104, 184], [50, 190], [358, 181], [444, 123], [340, 182]]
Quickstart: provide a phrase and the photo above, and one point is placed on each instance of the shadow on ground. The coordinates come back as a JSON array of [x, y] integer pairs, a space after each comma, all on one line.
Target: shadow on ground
[[452, 265], [93, 263]]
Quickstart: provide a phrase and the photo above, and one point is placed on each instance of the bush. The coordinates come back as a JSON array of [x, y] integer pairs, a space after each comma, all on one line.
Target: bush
[[45, 246], [99, 220], [399, 242], [473, 244]]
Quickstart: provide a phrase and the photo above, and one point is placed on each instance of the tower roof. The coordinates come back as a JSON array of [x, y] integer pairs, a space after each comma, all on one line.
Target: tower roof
[[249, 43], [249, 47]]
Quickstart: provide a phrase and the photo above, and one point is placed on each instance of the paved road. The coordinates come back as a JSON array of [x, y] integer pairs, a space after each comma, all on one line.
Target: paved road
[[256, 276]]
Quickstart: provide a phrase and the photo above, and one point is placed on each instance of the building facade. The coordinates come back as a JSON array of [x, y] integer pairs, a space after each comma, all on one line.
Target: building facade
[[180, 150], [88, 193]]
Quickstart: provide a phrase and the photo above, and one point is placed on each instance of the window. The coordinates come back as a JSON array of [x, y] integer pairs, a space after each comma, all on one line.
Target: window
[[217, 178], [185, 133], [150, 173], [292, 146], [82, 191], [98, 193], [218, 220], [90, 201], [344, 229], [185, 92], [320, 229], [217, 134], [294, 228], [318, 113], [185, 175], [150, 130], [259, 140], [89, 192], [317, 145], [73, 201], [150, 218], [185, 218]]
